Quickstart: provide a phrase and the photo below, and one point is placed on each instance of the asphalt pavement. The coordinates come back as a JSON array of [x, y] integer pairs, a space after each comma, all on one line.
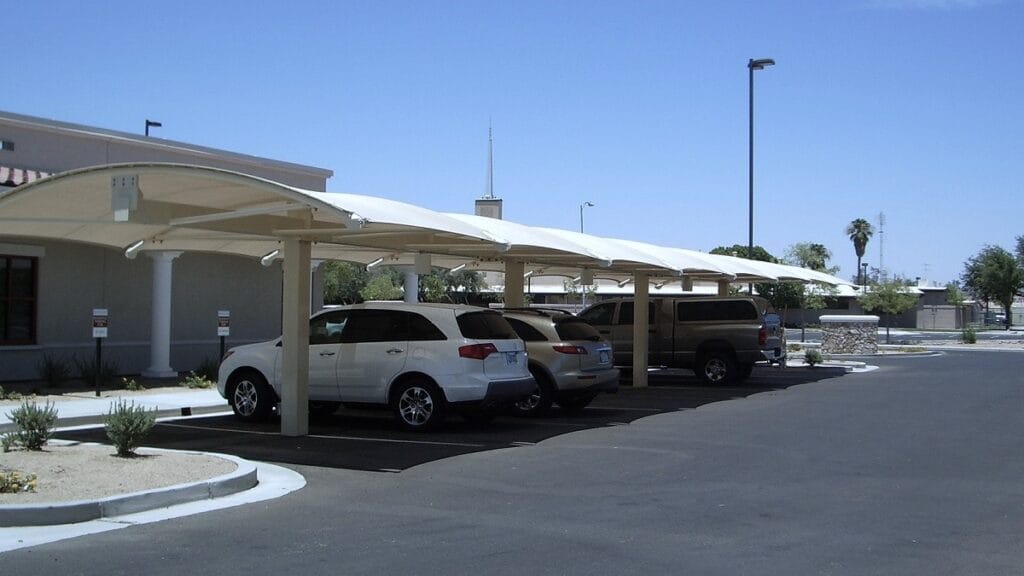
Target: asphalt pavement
[[913, 468]]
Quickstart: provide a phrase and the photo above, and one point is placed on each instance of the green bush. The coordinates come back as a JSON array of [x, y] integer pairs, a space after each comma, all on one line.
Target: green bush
[[813, 356], [12, 482], [34, 426], [87, 370], [12, 395], [127, 425], [53, 370], [131, 384], [969, 336], [194, 380]]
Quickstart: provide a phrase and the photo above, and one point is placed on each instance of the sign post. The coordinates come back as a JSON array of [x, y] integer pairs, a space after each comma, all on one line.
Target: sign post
[[100, 326], [223, 328]]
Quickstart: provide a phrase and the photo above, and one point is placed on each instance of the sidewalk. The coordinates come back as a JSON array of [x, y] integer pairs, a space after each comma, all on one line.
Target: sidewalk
[[85, 408]]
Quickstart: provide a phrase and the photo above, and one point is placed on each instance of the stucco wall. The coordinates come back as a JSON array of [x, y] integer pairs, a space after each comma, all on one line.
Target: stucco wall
[[75, 278]]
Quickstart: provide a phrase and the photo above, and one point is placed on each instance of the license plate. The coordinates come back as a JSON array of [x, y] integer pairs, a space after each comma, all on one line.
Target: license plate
[[605, 357], [511, 358]]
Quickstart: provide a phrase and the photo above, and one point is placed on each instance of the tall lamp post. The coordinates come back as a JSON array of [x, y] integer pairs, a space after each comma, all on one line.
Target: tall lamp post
[[152, 123], [751, 66], [864, 274], [583, 289]]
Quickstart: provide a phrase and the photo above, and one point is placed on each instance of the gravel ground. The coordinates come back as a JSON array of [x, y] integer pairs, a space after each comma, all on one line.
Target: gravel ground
[[91, 471]]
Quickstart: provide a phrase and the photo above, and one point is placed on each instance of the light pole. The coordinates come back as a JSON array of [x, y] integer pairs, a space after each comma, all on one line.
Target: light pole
[[751, 66], [583, 289], [153, 123], [864, 274], [582, 206]]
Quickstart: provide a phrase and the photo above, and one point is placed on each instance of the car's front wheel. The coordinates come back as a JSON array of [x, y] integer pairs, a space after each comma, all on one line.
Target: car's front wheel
[[418, 405], [252, 399]]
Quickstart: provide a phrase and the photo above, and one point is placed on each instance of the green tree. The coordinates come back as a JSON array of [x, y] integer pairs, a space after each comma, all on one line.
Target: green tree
[[888, 298], [859, 231], [381, 287], [763, 289], [994, 275], [810, 255]]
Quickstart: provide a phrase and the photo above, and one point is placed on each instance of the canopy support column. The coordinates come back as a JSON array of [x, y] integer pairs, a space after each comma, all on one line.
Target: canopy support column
[[295, 339], [641, 293], [411, 285], [723, 287], [160, 324], [514, 270]]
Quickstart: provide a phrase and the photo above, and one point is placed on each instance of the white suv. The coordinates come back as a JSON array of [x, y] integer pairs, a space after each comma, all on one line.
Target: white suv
[[420, 360]]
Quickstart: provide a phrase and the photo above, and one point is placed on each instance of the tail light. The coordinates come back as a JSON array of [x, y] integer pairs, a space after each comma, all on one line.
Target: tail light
[[477, 351], [564, 349], [762, 336]]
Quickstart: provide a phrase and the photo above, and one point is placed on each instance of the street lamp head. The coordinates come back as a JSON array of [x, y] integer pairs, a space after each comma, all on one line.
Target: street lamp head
[[759, 64], [588, 204]]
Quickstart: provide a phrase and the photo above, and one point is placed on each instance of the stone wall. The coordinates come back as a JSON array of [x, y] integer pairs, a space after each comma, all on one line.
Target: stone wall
[[849, 334]]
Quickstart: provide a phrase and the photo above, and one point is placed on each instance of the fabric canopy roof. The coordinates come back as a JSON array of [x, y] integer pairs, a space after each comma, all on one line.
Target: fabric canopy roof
[[195, 208]]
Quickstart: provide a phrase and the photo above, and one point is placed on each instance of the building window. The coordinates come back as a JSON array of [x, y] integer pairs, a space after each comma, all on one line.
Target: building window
[[18, 286]]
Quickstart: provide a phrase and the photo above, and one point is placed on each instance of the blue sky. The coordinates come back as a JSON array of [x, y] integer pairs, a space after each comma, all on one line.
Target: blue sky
[[911, 108]]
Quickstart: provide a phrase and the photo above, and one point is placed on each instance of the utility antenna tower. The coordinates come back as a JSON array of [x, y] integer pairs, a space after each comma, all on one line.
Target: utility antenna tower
[[490, 162], [881, 245]]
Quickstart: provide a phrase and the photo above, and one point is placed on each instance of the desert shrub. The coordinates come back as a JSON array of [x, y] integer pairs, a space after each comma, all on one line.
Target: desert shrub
[[9, 395], [126, 426], [194, 380], [12, 482], [131, 384], [812, 357], [208, 369], [54, 370], [33, 426], [87, 370], [969, 336], [794, 347]]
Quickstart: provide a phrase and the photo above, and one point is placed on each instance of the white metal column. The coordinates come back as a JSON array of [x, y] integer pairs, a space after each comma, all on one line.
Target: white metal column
[[411, 285], [723, 287], [641, 297], [295, 339], [514, 271], [160, 323]]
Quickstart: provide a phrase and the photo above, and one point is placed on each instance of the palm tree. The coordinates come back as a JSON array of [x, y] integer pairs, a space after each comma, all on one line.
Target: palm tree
[[860, 231]]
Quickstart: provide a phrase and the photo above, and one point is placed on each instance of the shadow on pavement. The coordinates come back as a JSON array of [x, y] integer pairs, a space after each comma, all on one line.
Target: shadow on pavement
[[369, 440]]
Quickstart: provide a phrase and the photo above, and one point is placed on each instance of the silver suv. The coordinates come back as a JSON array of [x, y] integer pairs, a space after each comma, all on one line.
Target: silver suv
[[569, 360], [419, 360]]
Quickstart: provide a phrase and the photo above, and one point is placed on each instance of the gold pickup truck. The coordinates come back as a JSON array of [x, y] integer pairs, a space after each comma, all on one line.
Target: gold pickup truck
[[719, 338]]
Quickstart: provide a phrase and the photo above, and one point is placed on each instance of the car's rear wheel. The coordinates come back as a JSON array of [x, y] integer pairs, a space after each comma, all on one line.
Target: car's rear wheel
[[717, 367], [539, 401], [252, 399], [418, 405]]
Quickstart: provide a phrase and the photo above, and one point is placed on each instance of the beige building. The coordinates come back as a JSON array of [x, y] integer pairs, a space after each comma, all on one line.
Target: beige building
[[49, 289]]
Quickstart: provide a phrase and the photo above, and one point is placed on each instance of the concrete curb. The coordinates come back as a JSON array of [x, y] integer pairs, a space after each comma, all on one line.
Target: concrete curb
[[49, 514]]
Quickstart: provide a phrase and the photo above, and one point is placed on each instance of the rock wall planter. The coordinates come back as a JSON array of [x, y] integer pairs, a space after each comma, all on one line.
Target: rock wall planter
[[846, 334]]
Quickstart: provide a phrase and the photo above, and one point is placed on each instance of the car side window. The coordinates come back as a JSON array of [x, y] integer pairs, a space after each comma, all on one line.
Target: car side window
[[327, 328], [600, 315], [526, 332], [716, 310], [422, 329], [626, 313], [375, 326]]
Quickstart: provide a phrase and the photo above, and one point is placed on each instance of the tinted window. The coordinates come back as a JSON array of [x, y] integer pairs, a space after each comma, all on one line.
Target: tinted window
[[422, 329], [376, 326], [576, 329], [485, 326], [17, 300], [525, 331], [626, 313], [712, 310], [600, 315], [326, 328]]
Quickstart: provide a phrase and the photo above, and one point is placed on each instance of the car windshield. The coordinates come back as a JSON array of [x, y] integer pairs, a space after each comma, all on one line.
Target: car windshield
[[576, 329]]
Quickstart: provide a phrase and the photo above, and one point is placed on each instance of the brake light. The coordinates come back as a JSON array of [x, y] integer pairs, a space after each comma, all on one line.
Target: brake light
[[569, 349], [477, 351], [762, 336]]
